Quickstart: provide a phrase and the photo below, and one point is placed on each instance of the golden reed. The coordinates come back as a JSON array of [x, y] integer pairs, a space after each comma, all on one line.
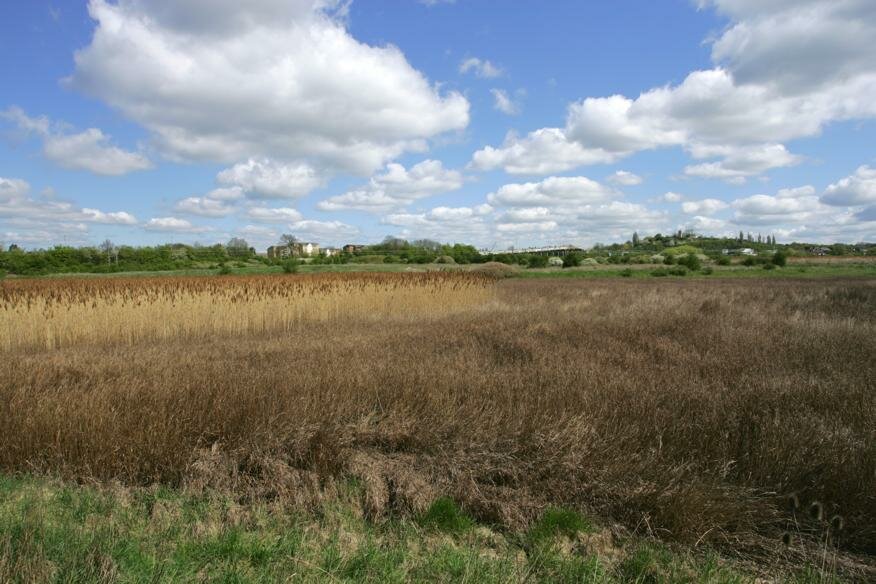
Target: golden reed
[[60, 313]]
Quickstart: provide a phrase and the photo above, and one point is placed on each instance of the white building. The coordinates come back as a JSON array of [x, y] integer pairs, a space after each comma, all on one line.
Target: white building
[[309, 249]]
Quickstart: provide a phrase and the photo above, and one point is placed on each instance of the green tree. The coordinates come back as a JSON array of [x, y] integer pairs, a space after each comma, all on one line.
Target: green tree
[[780, 259]]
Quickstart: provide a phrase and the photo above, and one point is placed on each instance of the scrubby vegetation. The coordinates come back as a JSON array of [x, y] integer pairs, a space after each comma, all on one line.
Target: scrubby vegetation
[[733, 417]]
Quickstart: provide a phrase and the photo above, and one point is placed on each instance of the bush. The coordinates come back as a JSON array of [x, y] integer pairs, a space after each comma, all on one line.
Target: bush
[[669, 260], [707, 270], [572, 260], [678, 271], [748, 261], [626, 273], [723, 261], [537, 261], [224, 270], [445, 259], [290, 266], [659, 273], [691, 262], [769, 266], [2, 274], [780, 259]]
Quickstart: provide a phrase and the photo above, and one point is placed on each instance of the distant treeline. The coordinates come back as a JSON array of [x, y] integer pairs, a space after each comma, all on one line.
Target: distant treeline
[[108, 258]]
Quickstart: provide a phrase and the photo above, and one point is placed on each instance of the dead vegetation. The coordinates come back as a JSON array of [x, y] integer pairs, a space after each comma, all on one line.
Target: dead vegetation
[[691, 411]]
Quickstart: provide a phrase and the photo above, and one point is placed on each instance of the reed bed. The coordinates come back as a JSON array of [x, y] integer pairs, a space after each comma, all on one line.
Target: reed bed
[[694, 411], [61, 313]]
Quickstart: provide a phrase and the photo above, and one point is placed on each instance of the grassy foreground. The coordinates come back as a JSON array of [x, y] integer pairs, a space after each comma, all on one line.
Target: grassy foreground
[[56, 532]]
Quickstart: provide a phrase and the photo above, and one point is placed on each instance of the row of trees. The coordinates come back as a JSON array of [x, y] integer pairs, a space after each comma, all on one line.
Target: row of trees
[[109, 257]]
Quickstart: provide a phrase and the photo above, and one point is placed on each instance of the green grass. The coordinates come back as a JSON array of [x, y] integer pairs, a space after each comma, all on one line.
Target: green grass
[[863, 270], [52, 531], [558, 522], [444, 515]]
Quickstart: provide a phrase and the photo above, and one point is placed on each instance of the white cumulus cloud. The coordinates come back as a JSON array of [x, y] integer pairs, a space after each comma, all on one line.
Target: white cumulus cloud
[[857, 189], [480, 67], [89, 150], [397, 187], [230, 81]]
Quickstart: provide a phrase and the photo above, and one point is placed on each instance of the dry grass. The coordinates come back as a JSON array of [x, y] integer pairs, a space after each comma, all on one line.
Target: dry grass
[[690, 410], [53, 313]]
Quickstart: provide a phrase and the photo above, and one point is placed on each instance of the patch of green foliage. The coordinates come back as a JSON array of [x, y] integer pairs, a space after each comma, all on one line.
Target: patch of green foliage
[[290, 266], [682, 250], [446, 516], [572, 260], [537, 261], [558, 521], [691, 262], [780, 259]]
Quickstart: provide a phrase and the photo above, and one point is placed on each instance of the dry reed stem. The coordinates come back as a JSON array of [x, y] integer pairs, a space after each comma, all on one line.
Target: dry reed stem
[[688, 409]]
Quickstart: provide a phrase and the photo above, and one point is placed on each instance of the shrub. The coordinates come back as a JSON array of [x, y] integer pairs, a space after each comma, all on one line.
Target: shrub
[[678, 271], [626, 273], [780, 259], [707, 270], [769, 266], [669, 260], [2, 274], [445, 259], [224, 270], [391, 259], [290, 266], [723, 261], [572, 260], [691, 262], [537, 261], [659, 273], [748, 261]]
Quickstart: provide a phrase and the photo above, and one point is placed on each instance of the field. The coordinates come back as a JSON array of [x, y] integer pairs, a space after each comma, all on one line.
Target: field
[[438, 426]]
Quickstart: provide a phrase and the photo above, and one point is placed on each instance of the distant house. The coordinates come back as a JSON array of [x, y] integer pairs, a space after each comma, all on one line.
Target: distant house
[[309, 249], [278, 252], [331, 251], [353, 248], [819, 251]]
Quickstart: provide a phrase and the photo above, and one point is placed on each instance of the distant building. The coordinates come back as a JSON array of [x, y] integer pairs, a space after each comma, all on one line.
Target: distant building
[[309, 249], [553, 250], [741, 251], [819, 251], [331, 251], [353, 248], [278, 252]]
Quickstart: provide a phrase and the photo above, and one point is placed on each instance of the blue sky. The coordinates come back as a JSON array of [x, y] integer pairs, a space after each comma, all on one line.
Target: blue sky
[[499, 124]]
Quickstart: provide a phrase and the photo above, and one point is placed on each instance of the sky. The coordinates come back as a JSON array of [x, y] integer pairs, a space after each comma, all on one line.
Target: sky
[[500, 124]]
